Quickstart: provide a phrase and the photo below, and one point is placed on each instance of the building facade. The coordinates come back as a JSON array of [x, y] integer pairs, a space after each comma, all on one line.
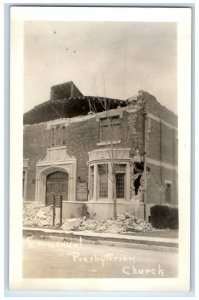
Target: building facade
[[92, 150]]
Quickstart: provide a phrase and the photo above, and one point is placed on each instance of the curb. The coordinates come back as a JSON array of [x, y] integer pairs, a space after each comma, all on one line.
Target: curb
[[103, 238]]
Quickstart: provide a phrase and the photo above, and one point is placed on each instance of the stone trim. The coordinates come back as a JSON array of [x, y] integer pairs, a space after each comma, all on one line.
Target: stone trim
[[104, 154], [108, 143], [101, 156], [157, 119], [110, 113], [44, 168], [158, 163]]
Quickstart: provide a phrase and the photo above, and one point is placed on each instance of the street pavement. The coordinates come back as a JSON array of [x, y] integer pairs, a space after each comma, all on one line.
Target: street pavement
[[80, 259], [101, 237]]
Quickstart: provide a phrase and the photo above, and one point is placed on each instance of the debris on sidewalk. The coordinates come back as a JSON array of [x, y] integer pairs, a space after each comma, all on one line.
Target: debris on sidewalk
[[71, 224], [36, 215], [124, 222]]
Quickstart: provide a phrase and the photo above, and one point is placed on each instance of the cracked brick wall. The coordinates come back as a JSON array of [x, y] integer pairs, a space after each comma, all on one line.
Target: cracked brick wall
[[82, 136]]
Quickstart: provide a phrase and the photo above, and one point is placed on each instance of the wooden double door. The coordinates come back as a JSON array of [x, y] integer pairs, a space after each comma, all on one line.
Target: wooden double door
[[56, 185]]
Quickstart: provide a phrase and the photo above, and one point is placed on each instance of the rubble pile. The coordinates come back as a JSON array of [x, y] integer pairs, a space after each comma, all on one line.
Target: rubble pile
[[124, 223], [36, 215], [71, 224]]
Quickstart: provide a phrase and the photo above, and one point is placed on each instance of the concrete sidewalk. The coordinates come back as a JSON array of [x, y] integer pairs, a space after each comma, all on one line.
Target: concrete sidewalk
[[100, 238]]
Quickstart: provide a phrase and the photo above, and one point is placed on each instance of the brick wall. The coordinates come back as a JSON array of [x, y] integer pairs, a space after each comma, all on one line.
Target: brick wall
[[35, 143], [155, 194], [82, 136], [153, 145], [154, 107], [162, 143], [161, 147]]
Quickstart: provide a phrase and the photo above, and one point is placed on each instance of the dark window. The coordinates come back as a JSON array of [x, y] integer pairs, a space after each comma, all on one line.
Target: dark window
[[168, 192], [63, 135], [120, 180], [57, 136], [58, 174], [91, 181], [24, 178], [120, 185], [103, 180], [109, 129], [52, 136]]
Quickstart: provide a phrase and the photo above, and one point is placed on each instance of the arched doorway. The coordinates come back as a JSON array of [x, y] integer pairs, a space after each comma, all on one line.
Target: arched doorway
[[56, 184]]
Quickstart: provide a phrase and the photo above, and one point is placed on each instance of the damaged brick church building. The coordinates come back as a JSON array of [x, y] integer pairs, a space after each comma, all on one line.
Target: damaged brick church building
[[73, 142]]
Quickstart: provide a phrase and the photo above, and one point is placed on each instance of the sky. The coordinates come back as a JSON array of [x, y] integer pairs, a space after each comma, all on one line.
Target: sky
[[110, 59]]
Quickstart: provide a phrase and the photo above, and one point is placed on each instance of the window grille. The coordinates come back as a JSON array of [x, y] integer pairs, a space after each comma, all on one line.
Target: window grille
[[24, 176], [91, 181], [109, 129], [52, 136], [120, 170], [120, 190], [168, 192], [57, 136], [103, 180]]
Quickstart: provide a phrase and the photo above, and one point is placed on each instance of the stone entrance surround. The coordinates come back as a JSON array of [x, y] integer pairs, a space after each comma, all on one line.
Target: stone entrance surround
[[56, 159]]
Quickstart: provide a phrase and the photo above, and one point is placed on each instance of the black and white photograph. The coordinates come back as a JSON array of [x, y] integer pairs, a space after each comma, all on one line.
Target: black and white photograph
[[102, 191]]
